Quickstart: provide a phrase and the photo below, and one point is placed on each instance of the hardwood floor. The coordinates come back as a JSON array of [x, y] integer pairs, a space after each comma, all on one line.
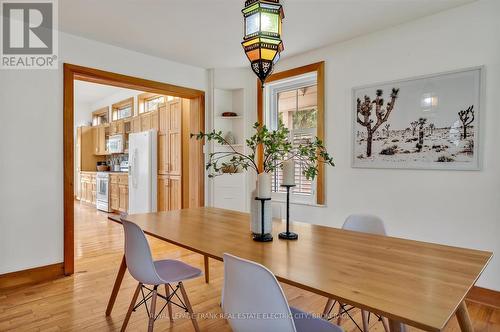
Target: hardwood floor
[[78, 302]]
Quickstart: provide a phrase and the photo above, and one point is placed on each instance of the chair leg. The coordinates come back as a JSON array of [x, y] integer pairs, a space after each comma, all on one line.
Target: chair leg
[[169, 304], [364, 316], [152, 313], [328, 306], [339, 314], [131, 307], [189, 308], [386, 324]]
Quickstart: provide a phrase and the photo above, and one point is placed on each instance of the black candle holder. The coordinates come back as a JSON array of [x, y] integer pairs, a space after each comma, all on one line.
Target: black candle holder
[[288, 235], [262, 237]]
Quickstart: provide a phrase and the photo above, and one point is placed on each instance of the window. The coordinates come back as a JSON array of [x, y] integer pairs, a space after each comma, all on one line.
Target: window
[[152, 104], [123, 109], [294, 101]]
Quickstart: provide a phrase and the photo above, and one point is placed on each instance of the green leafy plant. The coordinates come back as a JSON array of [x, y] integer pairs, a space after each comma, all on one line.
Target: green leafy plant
[[276, 146]]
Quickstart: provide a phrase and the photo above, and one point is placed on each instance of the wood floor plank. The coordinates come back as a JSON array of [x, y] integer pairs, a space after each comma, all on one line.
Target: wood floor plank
[[77, 303]]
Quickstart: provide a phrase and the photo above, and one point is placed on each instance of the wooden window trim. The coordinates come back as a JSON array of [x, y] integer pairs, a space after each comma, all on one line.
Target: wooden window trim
[[319, 68], [145, 97], [121, 104], [101, 111]]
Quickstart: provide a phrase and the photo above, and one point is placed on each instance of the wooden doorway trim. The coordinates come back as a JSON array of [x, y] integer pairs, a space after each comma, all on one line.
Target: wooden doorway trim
[[74, 72]]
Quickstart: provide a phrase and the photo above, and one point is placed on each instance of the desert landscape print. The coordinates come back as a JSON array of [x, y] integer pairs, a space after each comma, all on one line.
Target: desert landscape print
[[429, 122]]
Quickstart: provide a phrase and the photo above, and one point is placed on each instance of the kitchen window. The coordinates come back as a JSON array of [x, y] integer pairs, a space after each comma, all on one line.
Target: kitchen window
[[152, 104], [123, 109], [295, 98]]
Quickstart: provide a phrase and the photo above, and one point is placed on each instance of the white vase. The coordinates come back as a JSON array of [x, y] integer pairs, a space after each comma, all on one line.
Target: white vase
[[256, 213]]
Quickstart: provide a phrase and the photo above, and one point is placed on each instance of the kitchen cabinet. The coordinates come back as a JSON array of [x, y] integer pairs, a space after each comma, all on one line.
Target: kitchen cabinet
[[169, 193], [114, 192], [117, 127], [149, 120], [162, 154], [118, 192], [169, 139], [85, 158], [175, 193], [163, 193], [100, 140], [136, 124], [123, 205], [88, 187], [163, 120], [145, 121], [174, 138]]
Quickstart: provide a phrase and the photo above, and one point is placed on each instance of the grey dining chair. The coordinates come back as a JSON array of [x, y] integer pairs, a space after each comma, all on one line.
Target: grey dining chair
[[253, 300], [363, 223], [155, 273]]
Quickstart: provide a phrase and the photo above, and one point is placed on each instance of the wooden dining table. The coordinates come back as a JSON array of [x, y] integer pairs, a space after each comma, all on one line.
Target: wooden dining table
[[410, 282]]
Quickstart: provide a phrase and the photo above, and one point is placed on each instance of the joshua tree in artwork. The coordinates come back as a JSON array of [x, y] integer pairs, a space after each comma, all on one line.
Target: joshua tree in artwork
[[421, 124], [364, 111], [414, 125], [431, 128], [467, 117], [387, 126]]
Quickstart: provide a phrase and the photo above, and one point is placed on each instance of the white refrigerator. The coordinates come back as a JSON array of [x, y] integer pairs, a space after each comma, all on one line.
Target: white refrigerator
[[142, 180]]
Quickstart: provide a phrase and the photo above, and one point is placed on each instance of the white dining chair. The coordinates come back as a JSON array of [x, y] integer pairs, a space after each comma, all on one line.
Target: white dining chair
[[253, 300], [363, 223], [155, 273]]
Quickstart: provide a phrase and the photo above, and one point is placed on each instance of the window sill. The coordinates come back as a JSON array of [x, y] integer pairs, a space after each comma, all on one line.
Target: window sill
[[279, 200]]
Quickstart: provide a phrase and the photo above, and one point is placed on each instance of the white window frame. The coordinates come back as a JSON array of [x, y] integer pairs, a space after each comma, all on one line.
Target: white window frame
[[271, 91]]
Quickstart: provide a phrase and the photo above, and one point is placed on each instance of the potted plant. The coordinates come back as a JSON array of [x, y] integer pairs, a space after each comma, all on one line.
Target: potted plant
[[276, 149]]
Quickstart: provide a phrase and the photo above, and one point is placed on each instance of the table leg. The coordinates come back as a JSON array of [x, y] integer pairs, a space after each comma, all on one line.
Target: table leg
[[207, 272], [463, 318], [396, 326], [116, 286]]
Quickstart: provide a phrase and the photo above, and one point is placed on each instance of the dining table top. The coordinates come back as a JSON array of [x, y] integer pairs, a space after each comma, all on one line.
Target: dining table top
[[417, 283]]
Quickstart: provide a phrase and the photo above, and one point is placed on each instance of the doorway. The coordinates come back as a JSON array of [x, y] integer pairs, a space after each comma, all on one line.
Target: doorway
[[192, 159]]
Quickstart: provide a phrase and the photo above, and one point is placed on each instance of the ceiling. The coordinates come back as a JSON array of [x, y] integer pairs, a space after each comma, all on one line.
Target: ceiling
[[208, 33], [91, 93]]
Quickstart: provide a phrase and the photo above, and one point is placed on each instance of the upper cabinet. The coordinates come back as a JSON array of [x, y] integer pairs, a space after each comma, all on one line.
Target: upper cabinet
[[100, 134]]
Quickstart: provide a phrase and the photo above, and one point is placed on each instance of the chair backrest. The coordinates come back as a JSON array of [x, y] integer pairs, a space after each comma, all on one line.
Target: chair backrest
[[365, 223], [253, 299], [138, 255]]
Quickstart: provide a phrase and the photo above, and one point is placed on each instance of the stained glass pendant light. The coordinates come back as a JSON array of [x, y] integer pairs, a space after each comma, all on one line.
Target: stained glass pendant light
[[262, 42]]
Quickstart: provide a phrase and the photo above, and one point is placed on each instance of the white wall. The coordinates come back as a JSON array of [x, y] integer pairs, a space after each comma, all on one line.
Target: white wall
[[31, 145], [451, 207]]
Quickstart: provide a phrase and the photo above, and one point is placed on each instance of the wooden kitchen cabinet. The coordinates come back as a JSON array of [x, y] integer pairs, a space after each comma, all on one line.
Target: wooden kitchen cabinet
[[145, 121], [88, 187], [114, 192], [163, 193], [162, 154], [169, 193], [149, 120], [175, 193], [174, 138], [118, 192], [136, 124], [169, 139], [123, 205], [100, 140], [117, 127], [163, 120]]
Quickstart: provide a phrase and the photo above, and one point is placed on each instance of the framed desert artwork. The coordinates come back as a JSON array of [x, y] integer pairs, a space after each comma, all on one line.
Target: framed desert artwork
[[427, 122]]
